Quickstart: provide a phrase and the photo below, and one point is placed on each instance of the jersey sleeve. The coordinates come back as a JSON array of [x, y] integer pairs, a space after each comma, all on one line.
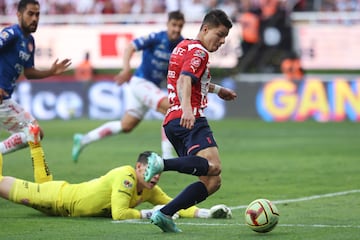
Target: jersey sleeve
[[123, 188], [158, 196], [189, 212], [145, 41], [195, 63], [7, 37]]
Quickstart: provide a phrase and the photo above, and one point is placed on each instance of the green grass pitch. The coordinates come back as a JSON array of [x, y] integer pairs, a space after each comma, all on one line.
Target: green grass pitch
[[311, 170]]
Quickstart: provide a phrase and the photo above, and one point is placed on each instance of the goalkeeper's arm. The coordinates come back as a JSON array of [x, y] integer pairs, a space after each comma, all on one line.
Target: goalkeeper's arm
[[217, 211]]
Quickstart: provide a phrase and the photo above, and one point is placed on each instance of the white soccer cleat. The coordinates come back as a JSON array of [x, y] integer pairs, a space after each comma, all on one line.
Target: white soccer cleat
[[220, 211], [32, 133]]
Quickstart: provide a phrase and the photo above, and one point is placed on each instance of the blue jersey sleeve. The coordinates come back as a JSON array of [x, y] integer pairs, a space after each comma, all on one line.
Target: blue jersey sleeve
[[7, 37], [145, 42]]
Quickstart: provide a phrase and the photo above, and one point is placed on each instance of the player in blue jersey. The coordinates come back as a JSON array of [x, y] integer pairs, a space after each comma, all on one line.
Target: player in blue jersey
[[17, 48], [144, 84]]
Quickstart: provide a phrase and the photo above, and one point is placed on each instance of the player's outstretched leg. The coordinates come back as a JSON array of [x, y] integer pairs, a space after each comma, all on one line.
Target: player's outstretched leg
[[77, 146], [155, 166], [105, 130], [164, 222]]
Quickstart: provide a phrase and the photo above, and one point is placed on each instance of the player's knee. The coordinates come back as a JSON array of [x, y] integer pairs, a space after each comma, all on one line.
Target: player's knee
[[127, 129], [214, 170]]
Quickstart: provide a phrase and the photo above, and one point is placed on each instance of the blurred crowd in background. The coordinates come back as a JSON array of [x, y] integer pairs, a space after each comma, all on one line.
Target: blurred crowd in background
[[189, 7], [267, 42]]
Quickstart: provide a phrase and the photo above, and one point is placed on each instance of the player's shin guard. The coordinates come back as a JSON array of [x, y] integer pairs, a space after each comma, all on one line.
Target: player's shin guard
[[41, 169]]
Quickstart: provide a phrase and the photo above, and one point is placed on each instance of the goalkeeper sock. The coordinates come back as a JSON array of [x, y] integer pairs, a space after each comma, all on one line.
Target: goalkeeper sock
[[191, 195], [107, 129], [40, 166], [194, 165]]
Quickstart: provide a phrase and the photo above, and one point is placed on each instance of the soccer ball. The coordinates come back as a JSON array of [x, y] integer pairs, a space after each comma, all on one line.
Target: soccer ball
[[261, 215]]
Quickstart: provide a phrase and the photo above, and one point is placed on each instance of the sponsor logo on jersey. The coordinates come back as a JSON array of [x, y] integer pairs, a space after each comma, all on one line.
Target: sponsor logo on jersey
[[4, 35], [127, 184], [195, 63], [30, 47], [200, 53]]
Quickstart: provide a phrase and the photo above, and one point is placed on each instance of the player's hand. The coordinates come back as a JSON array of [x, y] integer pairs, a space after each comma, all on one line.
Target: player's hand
[[220, 211], [227, 94], [187, 119], [123, 76], [60, 67], [3, 94]]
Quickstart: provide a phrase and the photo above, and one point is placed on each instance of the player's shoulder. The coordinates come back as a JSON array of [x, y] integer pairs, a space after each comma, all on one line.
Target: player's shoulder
[[12, 30], [126, 170], [159, 34], [195, 46]]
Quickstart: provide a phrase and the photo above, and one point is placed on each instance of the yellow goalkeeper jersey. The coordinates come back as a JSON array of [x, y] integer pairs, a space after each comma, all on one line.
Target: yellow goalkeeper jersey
[[111, 195]]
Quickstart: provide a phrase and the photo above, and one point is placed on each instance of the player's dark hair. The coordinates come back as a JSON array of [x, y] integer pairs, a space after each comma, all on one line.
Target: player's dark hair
[[23, 3], [215, 18], [143, 157], [176, 15]]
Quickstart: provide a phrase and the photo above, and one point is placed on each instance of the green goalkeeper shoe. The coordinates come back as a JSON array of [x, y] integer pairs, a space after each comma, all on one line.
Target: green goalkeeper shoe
[[164, 222], [155, 166], [77, 147]]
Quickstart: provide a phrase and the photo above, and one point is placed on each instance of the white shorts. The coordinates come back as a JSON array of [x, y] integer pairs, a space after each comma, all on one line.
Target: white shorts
[[13, 117], [143, 95]]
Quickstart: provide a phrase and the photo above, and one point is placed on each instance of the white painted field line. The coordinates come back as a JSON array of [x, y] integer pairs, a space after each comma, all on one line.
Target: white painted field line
[[138, 221], [302, 199]]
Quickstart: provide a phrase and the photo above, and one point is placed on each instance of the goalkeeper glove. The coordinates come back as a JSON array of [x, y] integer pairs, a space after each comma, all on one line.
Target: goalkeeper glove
[[220, 211], [146, 213]]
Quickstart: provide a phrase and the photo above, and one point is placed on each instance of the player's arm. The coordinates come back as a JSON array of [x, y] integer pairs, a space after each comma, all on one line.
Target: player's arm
[[123, 189], [55, 69], [222, 92], [125, 74], [184, 93], [217, 211]]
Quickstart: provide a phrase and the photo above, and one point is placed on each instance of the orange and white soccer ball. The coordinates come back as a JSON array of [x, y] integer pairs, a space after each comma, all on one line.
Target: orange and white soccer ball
[[261, 215]]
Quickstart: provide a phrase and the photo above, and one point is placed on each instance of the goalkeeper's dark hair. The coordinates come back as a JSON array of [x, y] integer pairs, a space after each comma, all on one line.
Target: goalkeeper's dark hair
[[215, 18], [143, 157], [23, 3]]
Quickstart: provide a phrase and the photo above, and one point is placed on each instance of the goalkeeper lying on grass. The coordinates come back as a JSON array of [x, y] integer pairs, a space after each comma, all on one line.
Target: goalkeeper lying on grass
[[114, 195]]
